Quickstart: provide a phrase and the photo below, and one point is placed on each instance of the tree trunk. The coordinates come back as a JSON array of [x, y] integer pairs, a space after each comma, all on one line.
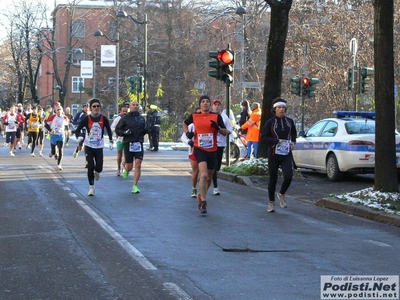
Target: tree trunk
[[275, 54], [385, 144]]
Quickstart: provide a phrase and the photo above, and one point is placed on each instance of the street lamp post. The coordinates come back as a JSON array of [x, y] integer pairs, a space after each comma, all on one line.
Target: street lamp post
[[99, 33], [241, 11], [123, 14]]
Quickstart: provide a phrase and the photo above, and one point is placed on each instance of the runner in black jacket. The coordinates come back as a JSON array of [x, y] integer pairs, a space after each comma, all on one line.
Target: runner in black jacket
[[279, 133], [132, 128]]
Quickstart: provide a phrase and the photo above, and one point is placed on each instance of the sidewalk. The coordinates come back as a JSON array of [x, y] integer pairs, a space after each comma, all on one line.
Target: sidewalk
[[329, 202]]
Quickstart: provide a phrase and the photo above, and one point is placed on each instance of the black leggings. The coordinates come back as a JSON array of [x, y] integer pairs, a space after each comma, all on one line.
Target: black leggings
[[60, 152], [220, 152], [286, 163], [94, 158]]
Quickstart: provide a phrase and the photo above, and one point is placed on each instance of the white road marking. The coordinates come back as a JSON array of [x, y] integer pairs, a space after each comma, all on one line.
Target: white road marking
[[177, 291], [132, 251], [377, 243]]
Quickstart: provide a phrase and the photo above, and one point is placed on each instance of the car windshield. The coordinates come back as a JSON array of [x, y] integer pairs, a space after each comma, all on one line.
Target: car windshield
[[366, 127]]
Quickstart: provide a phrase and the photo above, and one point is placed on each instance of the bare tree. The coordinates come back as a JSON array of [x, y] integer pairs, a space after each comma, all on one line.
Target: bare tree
[[385, 152], [275, 56]]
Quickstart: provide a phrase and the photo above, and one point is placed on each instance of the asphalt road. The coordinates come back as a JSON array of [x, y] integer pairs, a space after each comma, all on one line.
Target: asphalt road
[[58, 243]]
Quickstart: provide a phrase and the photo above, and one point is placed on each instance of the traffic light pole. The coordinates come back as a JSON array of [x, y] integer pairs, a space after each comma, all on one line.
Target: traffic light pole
[[228, 109], [302, 111]]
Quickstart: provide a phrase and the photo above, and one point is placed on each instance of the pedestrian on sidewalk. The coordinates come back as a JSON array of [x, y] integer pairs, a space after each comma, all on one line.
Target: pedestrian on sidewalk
[[279, 133], [94, 123], [252, 126], [120, 145], [221, 142], [132, 128], [207, 125], [153, 121]]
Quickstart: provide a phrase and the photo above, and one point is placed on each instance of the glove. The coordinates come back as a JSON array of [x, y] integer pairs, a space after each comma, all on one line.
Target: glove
[[111, 146], [215, 125], [190, 143], [16, 122], [127, 132], [190, 135], [80, 139], [6, 123]]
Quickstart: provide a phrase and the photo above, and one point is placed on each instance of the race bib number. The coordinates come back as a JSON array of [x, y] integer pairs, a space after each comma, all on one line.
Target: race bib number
[[135, 147], [206, 140], [283, 147], [11, 126], [35, 125]]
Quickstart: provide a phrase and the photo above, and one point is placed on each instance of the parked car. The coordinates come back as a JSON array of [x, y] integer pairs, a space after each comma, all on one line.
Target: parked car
[[344, 144]]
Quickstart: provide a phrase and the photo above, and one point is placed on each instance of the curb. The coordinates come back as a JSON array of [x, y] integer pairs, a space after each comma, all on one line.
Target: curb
[[331, 203], [359, 211]]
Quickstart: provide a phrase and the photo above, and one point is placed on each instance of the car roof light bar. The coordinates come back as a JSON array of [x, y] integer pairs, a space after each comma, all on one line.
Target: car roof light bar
[[363, 114]]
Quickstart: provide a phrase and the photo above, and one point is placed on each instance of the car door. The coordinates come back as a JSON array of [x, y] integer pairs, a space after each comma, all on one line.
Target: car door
[[322, 143], [303, 155]]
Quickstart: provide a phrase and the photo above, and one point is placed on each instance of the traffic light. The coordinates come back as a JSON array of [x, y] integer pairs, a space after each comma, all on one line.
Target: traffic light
[[227, 59], [132, 83], [352, 80], [140, 83], [295, 85], [305, 84], [311, 88], [216, 64], [365, 81]]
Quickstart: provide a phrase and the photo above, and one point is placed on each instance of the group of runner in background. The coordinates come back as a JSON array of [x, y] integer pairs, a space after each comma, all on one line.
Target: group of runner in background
[[37, 124]]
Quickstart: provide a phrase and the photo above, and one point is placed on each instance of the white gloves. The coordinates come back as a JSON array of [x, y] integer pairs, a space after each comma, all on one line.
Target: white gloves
[[111, 146], [80, 139]]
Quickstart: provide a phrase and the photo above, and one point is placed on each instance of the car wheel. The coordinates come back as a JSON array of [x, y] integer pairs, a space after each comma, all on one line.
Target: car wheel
[[332, 168], [234, 154]]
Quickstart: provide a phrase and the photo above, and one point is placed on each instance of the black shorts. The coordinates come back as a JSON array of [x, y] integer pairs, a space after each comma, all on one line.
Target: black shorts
[[209, 157], [131, 156]]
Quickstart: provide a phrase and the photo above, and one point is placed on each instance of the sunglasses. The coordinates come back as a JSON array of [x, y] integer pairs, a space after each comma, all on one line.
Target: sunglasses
[[95, 106]]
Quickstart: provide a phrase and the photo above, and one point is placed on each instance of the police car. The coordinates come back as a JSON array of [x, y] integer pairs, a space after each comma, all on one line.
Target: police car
[[345, 144]]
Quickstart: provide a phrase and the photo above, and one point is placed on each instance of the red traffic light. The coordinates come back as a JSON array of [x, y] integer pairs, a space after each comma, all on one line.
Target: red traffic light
[[226, 57], [306, 82]]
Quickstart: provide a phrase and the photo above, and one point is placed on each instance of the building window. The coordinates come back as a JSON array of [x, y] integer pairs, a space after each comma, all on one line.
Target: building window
[[78, 28], [78, 84]]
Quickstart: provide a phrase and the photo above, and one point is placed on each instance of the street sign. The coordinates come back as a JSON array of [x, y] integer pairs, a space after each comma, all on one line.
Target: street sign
[[251, 85]]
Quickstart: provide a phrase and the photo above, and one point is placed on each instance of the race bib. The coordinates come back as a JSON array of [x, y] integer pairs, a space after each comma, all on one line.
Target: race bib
[[35, 125], [283, 147], [135, 147], [206, 140]]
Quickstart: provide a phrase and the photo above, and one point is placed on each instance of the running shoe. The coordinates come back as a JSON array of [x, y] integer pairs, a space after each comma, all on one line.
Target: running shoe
[[125, 174], [216, 191], [118, 172], [59, 167], [66, 144], [135, 189], [29, 146], [194, 193], [282, 200], [75, 155], [33, 155], [202, 206], [271, 206], [12, 154], [50, 155], [91, 190], [96, 176], [40, 154]]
